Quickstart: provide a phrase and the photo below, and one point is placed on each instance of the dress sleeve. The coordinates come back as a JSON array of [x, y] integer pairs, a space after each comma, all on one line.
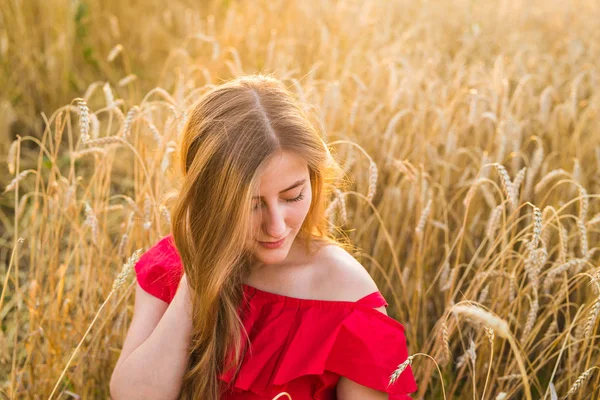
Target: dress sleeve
[[159, 270], [368, 348]]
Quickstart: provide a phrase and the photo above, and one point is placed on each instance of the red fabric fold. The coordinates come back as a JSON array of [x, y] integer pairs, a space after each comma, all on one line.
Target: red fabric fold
[[159, 269], [300, 346], [295, 338]]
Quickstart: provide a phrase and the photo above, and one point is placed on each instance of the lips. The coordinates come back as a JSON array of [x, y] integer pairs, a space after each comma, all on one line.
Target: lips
[[272, 245], [277, 241]]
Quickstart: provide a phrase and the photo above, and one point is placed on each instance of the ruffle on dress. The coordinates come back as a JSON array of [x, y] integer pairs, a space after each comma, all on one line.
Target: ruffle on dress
[[302, 346]]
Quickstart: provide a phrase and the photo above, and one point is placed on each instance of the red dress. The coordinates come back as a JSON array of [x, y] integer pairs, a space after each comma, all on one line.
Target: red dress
[[299, 346]]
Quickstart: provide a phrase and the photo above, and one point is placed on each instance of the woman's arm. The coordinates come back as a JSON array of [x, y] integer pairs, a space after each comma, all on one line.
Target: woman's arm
[[155, 353], [350, 390]]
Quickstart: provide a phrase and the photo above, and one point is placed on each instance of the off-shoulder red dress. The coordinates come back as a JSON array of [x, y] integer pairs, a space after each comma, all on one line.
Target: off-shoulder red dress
[[299, 346]]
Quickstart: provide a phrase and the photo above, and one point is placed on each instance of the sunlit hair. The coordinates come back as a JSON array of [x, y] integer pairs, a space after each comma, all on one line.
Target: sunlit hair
[[231, 133]]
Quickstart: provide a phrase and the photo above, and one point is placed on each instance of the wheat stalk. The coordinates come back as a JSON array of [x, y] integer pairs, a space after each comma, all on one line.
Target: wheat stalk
[[446, 342], [444, 275], [546, 231], [341, 202], [538, 157], [91, 221], [583, 203], [501, 328], [584, 248], [478, 314], [517, 183], [576, 171], [546, 103], [548, 177], [126, 270], [398, 371], [564, 242], [490, 334], [12, 153], [423, 218], [94, 126], [472, 354], [165, 212], [401, 369], [108, 95], [125, 237], [147, 212], [114, 52], [594, 220], [84, 120], [571, 264], [549, 333], [483, 294], [18, 178], [127, 80], [580, 381], [537, 228], [105, 141], [129, 120], [509, 377], [493, 222], [512, 288], [372, 180], [171, 148], [507, 186], [282, 394], [92, 150], [472, 190], [531, 316], [591, 321]]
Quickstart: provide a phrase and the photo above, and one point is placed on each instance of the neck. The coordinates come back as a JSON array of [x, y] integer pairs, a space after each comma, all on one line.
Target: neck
[[294, 256]]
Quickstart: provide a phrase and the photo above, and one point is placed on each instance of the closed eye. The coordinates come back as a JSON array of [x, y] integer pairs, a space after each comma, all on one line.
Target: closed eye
[[300, 197], [295, 199]]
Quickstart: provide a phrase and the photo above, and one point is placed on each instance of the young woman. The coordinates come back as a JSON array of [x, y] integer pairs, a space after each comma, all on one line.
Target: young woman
[[249, 296]]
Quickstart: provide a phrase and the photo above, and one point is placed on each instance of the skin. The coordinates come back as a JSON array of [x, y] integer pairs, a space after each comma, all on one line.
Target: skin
[[287, 270], [279, 209]]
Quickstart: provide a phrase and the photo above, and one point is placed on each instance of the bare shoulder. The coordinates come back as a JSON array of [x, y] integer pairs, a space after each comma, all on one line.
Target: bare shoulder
[[340, 276]]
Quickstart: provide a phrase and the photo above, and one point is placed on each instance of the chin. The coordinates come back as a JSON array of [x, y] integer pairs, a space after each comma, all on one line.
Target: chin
[[271, 256]]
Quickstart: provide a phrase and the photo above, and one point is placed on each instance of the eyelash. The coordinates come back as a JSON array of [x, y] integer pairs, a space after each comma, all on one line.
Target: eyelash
[[300, 197]]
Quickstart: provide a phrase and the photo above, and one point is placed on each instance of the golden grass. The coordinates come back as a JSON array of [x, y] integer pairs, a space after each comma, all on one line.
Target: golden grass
[[470, 129]]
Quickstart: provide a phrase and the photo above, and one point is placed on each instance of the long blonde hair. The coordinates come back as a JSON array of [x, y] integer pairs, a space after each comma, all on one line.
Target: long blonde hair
[[231, 132]]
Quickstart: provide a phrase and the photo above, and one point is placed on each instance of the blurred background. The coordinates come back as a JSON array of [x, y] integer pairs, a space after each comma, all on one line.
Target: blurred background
[[469, 130]]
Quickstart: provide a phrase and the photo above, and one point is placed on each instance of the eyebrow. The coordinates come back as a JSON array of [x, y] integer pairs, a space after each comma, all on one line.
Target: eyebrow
[[294, 185]]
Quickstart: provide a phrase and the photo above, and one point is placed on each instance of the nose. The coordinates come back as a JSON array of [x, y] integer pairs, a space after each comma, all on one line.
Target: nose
[[274, 222]]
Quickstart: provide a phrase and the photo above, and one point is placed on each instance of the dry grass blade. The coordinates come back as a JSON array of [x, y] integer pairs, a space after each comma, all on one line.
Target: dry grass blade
[[127, 268], [501, 328], [420, 121]]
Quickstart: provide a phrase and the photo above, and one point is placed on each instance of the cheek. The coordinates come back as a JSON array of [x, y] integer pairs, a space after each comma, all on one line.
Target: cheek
[[294, 218], [299, 213], [254, 226]]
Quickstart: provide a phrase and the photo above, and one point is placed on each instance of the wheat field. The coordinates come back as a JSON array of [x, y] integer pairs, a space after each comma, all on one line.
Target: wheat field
[[470, 130]]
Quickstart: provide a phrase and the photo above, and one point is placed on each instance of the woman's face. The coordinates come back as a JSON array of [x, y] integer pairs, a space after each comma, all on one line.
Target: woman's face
[[279, 208]]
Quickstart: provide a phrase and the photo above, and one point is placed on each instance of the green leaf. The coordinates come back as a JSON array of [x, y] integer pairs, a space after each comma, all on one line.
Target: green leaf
[[47, 163]]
